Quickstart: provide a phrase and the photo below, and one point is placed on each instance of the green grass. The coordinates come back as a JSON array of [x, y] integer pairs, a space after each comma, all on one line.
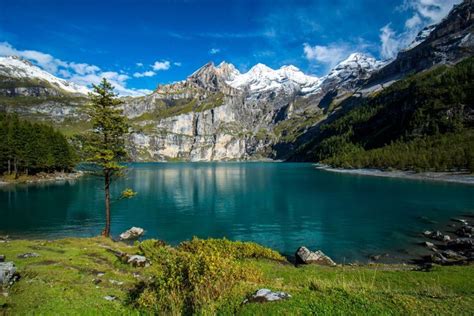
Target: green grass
[[60, 281]]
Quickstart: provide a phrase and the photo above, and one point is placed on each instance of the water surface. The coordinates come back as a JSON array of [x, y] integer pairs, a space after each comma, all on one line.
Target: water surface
[[280, 205]]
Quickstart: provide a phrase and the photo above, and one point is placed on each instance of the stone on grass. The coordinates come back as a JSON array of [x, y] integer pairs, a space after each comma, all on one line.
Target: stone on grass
[[7, 273], [28, 255], [266, 295], [110, 297], [304, 255], [132, 233], [137, 261]]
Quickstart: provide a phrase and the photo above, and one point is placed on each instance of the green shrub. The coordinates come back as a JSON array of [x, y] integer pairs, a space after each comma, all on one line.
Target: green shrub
[[197, 276]]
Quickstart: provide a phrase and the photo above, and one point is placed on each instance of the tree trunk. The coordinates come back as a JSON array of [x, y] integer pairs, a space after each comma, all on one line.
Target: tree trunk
[[106, 231], [15, 169], [9, 167]]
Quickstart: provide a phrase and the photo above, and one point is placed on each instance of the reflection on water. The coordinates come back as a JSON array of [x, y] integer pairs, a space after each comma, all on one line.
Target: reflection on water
[[276, 204]]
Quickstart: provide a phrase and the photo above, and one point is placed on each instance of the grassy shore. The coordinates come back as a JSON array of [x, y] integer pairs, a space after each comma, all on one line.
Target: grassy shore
[[64, 279], [39, 177]]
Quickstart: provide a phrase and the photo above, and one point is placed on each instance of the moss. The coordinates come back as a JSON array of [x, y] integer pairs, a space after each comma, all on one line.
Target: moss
[[289, 130]]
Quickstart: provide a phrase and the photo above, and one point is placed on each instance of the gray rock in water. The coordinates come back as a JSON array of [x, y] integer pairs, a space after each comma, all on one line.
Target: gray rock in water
[[28, 255], [304, 255], [132, 233], [266, 295], [462, 244], [460, 220], [7, 273], [428, 244], [436, 235]]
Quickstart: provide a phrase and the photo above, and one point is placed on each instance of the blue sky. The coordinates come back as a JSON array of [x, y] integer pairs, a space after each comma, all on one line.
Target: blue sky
[[139, 44]]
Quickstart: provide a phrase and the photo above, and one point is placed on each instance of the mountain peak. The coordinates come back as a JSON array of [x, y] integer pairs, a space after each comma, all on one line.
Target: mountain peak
[[20, 68]]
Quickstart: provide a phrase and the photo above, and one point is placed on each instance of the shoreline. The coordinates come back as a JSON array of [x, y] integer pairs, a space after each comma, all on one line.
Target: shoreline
[[42, 178], [451, 177]]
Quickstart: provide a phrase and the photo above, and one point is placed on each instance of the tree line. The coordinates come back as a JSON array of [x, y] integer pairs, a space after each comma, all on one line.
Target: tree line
[[29, 148]]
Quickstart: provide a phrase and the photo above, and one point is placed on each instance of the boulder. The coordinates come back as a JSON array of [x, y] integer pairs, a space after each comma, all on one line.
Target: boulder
[[465, 231], [304, 255], [436, 235], [132, 233], [137, 261], [266, 295], [7, 273], [461, 244], [110, 298], [429, 245], [2, 258], [28, 255], [460, 220]]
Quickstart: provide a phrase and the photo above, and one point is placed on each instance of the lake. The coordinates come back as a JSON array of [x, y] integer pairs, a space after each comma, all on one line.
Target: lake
[[280, 205]]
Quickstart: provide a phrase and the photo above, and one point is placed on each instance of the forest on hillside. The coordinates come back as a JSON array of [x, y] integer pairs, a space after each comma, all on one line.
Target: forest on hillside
[[29, 148], [424, 122]]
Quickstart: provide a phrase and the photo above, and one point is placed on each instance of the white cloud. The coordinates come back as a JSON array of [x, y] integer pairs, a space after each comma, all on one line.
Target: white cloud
[[391, 42], [414, 21], [80, 73], [329, 55], [214, 51], [177, 64], [149, 73], [139, 64], [431, 10], [161, 65]]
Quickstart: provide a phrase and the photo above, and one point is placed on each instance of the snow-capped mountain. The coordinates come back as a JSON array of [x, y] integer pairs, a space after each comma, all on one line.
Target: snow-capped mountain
[[18, 68], [421, 37], [350, 72], [262, 78]]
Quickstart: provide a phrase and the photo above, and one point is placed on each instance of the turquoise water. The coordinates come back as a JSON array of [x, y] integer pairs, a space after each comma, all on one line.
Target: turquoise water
[[280, 205]]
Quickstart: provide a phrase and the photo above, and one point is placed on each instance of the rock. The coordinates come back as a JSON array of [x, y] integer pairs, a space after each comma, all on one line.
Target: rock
[[436, 235], [7, 273], [110, 297], [450, 254], [2, 258], [428, 244], [465, 231], [132, 233], [5, 238], [96, 281], [137, 261], [304, 255], [461, 244], [100, 274], [115, 282], [460, 220], [28, 255], [266, 295], [378, 257]]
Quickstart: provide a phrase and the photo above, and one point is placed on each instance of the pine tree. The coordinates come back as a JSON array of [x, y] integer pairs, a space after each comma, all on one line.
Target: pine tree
[[105, 146]]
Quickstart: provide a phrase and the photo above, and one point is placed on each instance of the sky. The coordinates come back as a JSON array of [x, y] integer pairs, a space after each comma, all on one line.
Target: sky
[[140, 44]]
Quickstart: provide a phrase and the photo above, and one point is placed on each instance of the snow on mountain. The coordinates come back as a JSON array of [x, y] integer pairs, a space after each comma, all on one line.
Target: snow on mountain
[[421, 37], [262, 78], [350, 71], [15, 67]]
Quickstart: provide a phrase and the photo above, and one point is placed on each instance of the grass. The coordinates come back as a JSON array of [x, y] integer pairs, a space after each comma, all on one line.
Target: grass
[[60, 281]]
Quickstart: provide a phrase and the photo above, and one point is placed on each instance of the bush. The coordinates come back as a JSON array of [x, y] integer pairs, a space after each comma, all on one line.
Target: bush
[[196, 276]]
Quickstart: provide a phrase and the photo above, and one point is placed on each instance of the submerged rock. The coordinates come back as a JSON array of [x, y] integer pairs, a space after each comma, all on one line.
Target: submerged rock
[[304, 255], [7, 273], [266, 295], [132, 233]]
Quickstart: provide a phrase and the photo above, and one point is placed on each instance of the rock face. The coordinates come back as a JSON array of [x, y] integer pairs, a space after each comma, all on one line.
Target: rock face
[[305, 256]]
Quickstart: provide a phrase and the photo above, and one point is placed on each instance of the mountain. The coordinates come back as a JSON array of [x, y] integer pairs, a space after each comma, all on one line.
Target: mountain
[[448, 42], [19, 77], [219, 113]]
